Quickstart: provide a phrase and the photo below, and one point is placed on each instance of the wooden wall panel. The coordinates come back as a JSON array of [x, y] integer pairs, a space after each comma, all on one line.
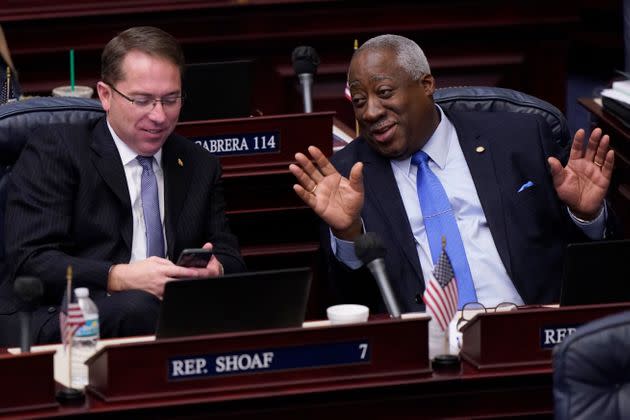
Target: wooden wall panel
[[519, 44]]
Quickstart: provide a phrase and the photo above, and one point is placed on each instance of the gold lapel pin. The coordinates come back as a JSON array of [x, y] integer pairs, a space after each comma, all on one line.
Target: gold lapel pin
[[480, 149], [180, 163]]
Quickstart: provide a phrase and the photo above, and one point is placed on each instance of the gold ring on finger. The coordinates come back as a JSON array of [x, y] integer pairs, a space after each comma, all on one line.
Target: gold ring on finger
[[598, 164], [313, 190]]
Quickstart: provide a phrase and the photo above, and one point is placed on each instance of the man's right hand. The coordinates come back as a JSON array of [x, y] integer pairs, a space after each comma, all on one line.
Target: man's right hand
[[150, 275], [336, 199]]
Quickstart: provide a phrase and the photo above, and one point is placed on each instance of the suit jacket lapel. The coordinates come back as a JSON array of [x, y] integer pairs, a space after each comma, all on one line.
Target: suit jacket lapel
[[483, 171], [178, 174], [378, 180], [108, 164]]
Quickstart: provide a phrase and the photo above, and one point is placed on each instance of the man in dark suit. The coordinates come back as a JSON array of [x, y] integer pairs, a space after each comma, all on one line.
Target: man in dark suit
[[117, 198], [514, 214]]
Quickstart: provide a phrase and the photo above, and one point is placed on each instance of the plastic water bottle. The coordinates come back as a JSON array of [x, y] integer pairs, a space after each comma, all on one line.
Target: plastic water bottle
[[85, 338]]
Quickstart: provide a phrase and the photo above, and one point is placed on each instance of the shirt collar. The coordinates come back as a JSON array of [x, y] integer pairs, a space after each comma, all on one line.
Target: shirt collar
[[126, 153], [437, 146]]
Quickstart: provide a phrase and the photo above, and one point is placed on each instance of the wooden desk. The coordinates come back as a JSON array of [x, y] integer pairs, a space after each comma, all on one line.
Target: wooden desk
[[368, 391], [391, 378], [525, 392], [619, 192]]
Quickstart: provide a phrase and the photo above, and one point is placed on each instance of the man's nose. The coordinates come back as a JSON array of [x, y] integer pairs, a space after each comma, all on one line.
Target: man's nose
[[373, 110], [158, 114]]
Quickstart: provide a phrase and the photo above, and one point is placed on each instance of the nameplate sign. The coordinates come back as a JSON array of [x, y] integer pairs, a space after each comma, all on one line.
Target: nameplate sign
[[240, 144], [266, 360], [550, 335]]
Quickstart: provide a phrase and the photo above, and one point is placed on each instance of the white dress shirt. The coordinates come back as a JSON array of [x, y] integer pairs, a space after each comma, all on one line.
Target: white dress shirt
[[133, 173], [492, 283]]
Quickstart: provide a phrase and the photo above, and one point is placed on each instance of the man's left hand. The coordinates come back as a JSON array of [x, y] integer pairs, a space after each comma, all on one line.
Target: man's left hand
[[214, 267], [582, 184]]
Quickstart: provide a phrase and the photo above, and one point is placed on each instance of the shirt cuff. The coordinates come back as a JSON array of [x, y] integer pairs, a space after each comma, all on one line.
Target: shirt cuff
[[593, 229], [344, 250]]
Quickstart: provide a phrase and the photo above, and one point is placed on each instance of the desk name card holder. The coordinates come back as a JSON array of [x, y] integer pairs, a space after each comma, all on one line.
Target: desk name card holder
[[525, 337], [239, 365], [27, 383]]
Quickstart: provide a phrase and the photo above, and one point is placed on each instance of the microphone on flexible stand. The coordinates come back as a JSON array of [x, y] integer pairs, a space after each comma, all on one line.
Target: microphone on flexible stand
[[305, 61], [29, 290], [371, 250]]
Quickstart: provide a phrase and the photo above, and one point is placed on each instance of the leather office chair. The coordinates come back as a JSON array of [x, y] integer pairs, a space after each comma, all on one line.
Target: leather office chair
[[495, 99], [591, 378], [17, 119]]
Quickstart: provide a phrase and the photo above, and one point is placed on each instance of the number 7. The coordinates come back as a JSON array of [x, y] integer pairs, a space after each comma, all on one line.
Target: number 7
[[363, 347]]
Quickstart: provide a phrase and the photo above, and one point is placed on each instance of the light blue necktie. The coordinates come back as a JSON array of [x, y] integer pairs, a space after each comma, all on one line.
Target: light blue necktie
[[151, 208], [439, 221]]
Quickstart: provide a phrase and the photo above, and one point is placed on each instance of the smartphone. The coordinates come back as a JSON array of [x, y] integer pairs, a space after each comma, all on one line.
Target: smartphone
[[194, 257]]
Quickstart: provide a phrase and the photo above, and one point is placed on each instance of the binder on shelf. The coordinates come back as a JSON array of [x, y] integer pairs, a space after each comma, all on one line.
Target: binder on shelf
[[617, 108]]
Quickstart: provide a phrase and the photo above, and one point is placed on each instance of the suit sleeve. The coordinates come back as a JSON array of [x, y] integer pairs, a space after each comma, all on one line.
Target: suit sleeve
[[39, 214]]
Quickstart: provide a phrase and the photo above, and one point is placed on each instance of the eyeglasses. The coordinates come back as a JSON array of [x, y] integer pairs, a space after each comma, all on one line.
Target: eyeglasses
[[471, 309], [148, 103]]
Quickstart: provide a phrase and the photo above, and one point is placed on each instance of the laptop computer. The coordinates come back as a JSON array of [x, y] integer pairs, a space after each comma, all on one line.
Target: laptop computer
[[234, 302], [596, 272], [217, 90]]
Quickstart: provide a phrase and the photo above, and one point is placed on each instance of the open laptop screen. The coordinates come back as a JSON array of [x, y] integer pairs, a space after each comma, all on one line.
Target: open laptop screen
[[217, 90], [596, 272], [235, 302]]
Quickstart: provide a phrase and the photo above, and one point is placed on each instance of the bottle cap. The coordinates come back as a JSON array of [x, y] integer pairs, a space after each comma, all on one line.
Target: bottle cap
[[82, 292]]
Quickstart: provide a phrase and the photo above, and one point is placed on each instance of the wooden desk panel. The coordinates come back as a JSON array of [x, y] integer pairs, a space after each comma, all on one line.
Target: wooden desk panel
[[274, 227]]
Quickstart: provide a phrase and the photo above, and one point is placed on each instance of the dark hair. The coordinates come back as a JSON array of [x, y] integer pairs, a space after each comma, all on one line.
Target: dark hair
[[146, 39]]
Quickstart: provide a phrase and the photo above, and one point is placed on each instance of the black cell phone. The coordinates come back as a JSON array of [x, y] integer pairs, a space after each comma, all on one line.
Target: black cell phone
[[194, 257]]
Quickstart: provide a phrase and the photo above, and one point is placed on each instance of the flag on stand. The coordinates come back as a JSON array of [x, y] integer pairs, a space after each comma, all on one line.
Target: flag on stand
[[71, 316], [70, 319], [440, 296]]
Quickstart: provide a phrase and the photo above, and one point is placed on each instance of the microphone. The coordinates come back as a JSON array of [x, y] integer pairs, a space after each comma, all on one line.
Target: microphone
[[371, 250], [305, 61], [29, 289]]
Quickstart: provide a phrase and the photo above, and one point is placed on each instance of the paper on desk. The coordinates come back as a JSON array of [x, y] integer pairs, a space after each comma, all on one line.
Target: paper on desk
[[617, 95], [622, 86]]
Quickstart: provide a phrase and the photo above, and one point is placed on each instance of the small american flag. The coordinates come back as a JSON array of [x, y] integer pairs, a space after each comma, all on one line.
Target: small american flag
[[70, 320], [440, 296]]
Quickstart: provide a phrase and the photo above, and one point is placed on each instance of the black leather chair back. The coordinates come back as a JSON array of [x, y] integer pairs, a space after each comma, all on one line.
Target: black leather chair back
[[591, 371], [17, 119], [494, 99]]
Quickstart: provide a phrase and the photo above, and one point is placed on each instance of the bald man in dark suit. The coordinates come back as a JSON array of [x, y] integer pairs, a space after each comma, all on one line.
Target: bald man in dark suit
[[515, 204]]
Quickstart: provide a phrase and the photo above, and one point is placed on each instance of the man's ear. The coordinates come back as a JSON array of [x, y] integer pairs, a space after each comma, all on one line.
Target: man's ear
[[428, 84], [104, 94]]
